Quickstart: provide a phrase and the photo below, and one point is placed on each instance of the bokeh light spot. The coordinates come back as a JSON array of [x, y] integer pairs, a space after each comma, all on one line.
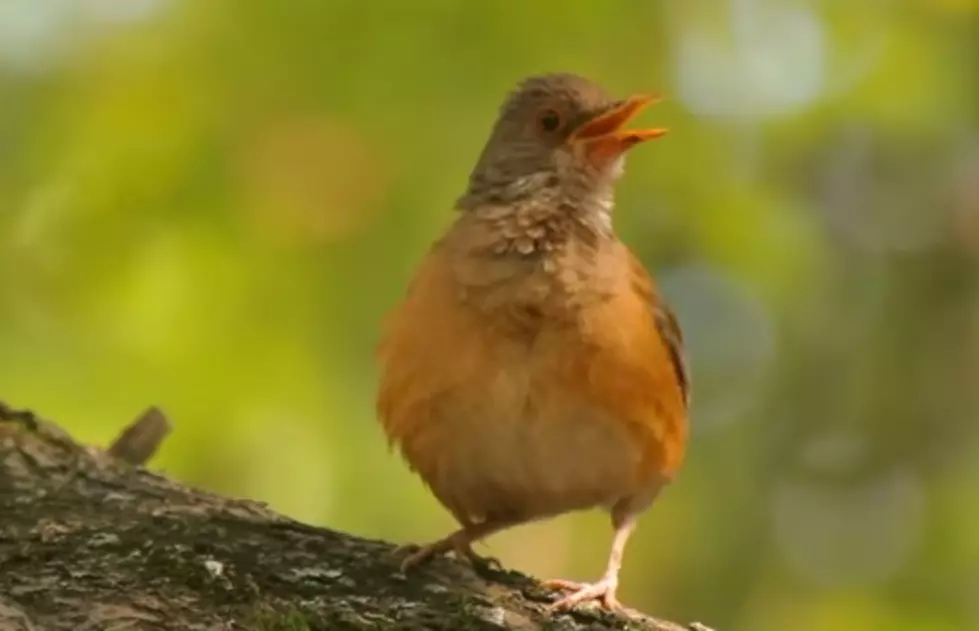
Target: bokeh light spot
[[850, 536], [729, 337]]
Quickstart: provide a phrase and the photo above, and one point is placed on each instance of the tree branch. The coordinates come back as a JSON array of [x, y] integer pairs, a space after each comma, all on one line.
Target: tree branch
[[88, 541]]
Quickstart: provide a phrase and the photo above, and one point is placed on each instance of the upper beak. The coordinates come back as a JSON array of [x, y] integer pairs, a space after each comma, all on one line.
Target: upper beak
[[604, 136]]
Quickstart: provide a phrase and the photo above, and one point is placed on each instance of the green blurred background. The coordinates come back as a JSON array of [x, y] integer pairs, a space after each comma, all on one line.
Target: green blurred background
[[210, 206]]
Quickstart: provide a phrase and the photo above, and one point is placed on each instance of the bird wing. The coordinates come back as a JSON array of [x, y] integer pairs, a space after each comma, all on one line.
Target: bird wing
[[667, 325]]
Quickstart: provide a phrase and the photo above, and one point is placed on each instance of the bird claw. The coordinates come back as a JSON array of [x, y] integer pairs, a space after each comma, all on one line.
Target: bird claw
[[480, 563], [405, 548], [415, 555], [462, 550], [603, 591]]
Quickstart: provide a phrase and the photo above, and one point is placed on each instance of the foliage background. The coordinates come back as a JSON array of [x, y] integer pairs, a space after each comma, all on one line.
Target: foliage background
[[210, 205]]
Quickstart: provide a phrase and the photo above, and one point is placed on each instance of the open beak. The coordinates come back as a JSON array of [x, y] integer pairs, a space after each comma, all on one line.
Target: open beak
[[604, 138]]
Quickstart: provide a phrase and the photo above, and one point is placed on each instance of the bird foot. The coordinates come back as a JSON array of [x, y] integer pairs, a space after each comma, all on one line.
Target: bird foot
[[461, 548], [603, 591], [413, 555], [480, 563]]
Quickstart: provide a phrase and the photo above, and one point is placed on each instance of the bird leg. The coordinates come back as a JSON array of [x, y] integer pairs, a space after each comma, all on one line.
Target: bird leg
[[603, 590], [459, 542]]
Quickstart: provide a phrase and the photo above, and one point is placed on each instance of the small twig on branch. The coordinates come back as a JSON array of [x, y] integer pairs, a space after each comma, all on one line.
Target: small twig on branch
[[140, 440], [26, 417]]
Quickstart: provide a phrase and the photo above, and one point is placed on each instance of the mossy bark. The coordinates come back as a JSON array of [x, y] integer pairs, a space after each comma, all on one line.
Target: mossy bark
[[89, 541]]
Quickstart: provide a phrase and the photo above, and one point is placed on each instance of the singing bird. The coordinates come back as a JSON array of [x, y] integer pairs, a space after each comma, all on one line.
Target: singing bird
[[533, 368]]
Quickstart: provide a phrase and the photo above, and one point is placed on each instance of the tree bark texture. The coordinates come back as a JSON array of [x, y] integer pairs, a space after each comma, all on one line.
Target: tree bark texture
[[90, 541]]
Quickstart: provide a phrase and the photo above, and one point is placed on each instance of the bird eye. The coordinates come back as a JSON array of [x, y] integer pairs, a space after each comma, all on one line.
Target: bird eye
[[549, 120]]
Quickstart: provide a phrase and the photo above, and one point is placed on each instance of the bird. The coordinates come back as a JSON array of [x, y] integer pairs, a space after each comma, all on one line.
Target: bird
[[532, 367]]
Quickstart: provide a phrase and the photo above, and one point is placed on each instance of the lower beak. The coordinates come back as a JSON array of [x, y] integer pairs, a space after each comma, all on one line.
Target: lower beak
[[604, 137]]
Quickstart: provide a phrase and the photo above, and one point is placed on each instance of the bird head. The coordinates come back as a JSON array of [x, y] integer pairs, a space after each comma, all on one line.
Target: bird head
[[556, 133]]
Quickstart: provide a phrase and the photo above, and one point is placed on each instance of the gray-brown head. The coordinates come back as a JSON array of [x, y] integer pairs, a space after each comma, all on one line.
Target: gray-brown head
[[557, 136]]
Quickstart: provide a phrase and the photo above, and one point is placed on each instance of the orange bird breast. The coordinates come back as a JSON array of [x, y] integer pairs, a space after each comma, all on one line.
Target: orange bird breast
[[524, 399]]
